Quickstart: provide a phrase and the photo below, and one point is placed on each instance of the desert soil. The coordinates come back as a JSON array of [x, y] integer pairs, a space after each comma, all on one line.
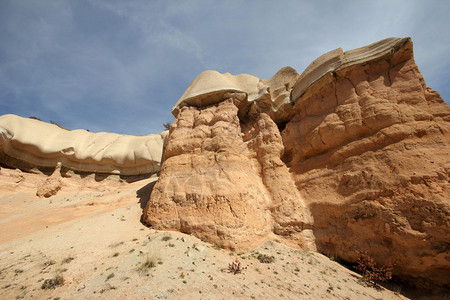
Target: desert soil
[[90, 239]]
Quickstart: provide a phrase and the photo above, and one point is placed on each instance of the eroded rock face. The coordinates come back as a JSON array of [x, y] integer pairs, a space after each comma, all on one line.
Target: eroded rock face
[[337, 60], [27, 144], [362, 160], [51, 184], [252, 95], [369, 150], [225, 183]]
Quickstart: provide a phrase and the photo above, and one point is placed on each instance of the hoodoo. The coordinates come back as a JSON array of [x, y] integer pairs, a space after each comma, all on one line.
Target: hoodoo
[[350, 156]]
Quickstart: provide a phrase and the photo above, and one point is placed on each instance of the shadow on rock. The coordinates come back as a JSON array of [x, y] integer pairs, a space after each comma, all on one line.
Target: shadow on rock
[[144, 193]]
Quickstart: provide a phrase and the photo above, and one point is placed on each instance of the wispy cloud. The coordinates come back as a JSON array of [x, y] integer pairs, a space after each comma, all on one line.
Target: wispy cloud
[[121, 65]]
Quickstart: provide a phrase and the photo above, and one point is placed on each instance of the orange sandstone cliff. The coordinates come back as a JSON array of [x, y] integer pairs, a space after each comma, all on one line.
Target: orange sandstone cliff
[[368, 148], [352, 155]]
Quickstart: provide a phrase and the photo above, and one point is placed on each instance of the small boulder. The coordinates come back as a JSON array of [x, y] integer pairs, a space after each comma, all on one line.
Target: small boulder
[[51, 185]]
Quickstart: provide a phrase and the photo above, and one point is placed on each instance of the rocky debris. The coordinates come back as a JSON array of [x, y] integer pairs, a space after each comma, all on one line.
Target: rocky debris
[[51, 185], [28, 143], [49, 188], [17, 174], [361, 162]]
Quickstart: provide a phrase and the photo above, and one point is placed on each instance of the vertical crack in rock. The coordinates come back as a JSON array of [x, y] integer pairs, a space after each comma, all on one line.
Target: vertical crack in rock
[[291, 219]]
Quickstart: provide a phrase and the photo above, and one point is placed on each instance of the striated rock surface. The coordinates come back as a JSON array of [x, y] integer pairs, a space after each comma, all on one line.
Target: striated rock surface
[[338, 59], [251, 94], [369, 150], [225, 183], [28, 143], [362, 160]]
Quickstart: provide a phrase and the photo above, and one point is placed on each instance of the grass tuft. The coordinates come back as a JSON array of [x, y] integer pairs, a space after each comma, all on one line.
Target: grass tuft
[[67, 260], [166, 238], [147, 264], [53, 282], [266, 259]]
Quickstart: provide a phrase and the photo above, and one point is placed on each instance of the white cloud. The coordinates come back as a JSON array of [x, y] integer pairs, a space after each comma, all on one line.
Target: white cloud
[[121, 65]]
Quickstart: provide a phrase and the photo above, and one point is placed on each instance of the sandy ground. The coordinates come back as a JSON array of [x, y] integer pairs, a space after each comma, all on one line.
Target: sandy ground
[[89, 236]]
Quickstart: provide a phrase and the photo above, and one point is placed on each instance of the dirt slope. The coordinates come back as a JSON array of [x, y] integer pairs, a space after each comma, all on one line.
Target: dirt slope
[[90, 234]]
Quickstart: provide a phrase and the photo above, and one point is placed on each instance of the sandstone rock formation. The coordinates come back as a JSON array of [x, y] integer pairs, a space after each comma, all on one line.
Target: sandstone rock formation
[[337, 60], [225, 183], [368, 148], [51, 185], [352, 155], [28, 143], [251, 94], [355, 149]]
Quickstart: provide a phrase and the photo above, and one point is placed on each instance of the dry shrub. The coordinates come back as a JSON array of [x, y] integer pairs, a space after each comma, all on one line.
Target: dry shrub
[[266, 259], [53, 282], [235, 268], [150, 261], [372, 272]]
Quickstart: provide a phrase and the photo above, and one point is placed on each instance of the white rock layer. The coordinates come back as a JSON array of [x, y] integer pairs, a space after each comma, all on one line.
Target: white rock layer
[[33, 143]]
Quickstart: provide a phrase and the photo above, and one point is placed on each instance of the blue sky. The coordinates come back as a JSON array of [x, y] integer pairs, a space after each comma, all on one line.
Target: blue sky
[[120, 66]]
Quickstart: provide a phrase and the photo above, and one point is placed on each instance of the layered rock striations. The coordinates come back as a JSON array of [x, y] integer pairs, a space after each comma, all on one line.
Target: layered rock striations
[[369, 150], [355, 150], [29, 143], [214, 181], [252, 95]]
